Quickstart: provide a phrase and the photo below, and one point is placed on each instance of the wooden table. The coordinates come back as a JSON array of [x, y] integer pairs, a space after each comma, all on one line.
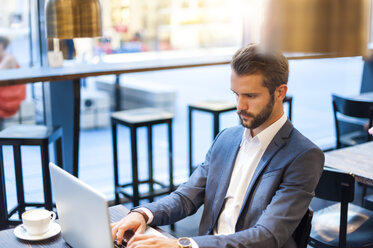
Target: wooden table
[[9, 240], [357, 160]]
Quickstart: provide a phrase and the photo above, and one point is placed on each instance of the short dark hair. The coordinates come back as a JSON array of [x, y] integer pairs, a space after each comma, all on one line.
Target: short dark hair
[[5, 41], [252, 59]]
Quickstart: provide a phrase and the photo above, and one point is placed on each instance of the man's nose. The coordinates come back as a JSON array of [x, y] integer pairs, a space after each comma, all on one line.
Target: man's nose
[[241, 103]]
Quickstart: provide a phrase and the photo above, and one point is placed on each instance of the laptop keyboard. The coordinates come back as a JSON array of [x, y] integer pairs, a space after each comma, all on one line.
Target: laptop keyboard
[[124, 244], [127, 236]]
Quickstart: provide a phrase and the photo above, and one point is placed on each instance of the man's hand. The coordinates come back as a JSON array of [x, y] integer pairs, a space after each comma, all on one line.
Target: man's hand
[[151, 241], [134, 221]]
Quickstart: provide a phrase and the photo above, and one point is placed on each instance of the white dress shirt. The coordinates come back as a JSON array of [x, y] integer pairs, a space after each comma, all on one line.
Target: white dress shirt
[[248, 157]]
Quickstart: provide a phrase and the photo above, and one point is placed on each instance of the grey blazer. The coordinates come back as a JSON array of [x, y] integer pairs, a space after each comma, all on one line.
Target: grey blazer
[[277, 197]]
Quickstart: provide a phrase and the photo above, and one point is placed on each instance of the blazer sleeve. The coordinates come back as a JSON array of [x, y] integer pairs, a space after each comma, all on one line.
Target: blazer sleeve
[[186, 200], [287, 207]]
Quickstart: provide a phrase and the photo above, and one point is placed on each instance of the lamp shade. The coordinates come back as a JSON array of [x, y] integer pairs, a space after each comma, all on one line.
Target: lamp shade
[[67, 19], [334, 27]]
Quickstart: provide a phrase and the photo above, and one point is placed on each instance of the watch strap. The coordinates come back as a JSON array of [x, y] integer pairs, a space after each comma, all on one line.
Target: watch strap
[[140, 211]]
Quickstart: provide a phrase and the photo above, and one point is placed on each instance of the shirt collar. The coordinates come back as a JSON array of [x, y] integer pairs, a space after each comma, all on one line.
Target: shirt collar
[[265, 136]]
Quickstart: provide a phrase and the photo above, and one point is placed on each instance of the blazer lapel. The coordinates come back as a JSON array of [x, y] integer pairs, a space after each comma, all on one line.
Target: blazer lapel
[[277, 142], [225, 175]]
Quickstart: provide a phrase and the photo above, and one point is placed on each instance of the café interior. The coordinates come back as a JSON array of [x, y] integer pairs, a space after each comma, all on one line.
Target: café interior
[[128, 96]]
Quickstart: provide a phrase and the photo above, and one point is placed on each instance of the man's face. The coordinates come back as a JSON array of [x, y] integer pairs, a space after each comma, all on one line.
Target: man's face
[[254, 102]]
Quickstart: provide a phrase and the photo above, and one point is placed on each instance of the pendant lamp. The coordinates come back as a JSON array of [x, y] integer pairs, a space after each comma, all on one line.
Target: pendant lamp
[[67, 19], [333, 27]]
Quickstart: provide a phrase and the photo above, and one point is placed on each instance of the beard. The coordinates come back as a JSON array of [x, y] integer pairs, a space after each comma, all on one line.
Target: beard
[[259, 119]]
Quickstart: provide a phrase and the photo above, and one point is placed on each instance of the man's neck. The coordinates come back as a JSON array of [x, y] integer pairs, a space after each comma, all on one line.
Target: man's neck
[[272, 119]]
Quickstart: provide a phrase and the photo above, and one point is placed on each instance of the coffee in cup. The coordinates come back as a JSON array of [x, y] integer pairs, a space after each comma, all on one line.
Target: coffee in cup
[[37, 221]]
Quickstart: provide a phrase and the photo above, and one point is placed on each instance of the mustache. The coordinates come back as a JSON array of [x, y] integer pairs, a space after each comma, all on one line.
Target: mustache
[[244, 113]]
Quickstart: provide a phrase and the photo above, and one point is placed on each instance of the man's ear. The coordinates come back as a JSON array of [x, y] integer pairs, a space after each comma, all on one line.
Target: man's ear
[[281, 91]]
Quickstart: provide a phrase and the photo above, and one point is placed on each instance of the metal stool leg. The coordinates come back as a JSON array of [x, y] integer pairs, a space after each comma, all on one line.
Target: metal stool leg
[[135, 176], [3, 202], [150, 161], [170, 160], [58, 152], [46, 177], [115, 161], [216, 125], [190, 140], [117, 93], [19, 180]]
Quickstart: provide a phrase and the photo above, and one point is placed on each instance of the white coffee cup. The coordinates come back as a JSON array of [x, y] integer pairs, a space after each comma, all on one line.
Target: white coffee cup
[[37, 221]]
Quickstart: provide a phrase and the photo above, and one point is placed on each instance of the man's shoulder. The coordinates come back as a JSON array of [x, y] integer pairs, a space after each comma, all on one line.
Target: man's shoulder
[[298, 138], [229, 137], [294, 139]]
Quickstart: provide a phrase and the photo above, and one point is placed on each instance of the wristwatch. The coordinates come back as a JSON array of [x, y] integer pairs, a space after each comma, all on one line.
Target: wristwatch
[[184, 242]]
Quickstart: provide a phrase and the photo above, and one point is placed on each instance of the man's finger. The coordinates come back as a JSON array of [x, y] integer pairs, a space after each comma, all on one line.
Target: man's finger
[[140, 230], [114, 232], [120, 234], [139, 237]]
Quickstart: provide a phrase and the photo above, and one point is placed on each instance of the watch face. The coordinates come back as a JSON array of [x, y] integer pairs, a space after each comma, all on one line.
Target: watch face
[[184, 242]]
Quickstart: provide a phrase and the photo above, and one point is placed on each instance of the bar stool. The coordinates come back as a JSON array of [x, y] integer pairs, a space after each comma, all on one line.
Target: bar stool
[[216, 108], [133, 119], [213, 107], [27, 135]]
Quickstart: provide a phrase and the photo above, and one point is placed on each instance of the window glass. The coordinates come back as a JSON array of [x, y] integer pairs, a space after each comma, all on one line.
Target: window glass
[[133, 26], [14, 24]]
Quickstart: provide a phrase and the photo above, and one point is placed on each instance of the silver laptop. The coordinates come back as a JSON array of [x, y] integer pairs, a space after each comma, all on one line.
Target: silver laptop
[[82, 211]]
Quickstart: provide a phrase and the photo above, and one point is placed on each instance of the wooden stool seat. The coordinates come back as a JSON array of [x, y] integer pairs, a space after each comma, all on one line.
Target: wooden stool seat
[[27, 135], [133, 119], [215, 108], [141, 116]]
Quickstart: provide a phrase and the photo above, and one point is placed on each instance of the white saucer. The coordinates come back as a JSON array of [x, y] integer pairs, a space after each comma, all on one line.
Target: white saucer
[[21, 233]]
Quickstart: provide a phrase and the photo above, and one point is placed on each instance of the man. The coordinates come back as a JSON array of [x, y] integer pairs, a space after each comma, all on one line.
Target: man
[[257, 180]]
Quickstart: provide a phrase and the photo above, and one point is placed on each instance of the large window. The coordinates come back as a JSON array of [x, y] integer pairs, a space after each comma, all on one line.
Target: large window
[[132, 26], [157, 25]]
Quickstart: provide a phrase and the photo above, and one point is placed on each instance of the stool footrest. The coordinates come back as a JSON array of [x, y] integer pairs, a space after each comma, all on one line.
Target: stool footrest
[[144, 182], [157, 192], [145, 195]]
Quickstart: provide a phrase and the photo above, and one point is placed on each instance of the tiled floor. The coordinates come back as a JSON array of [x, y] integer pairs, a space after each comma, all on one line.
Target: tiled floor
[[311, 83]]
